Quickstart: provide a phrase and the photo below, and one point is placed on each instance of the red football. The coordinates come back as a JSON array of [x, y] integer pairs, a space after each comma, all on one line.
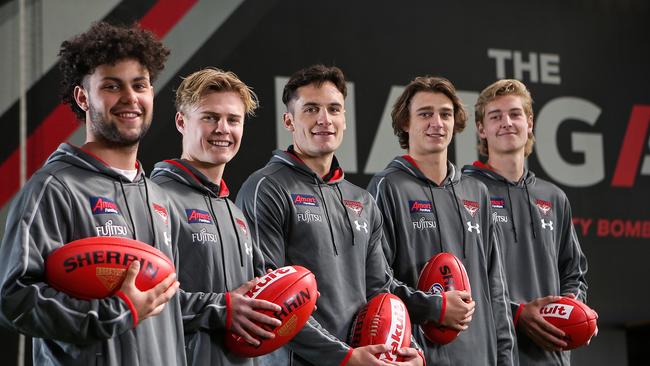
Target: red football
[[294, 289], [443, 272], [577, 320], [94, 267], [383, 320]]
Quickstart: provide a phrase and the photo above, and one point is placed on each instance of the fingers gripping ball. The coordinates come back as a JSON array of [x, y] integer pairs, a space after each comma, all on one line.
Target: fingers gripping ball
[[577, 320], [383, 320], [443, 272], [294, 289], [94, 267]]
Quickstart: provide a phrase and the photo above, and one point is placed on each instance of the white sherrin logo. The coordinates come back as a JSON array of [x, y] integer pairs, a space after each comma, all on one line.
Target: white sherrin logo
[[396, 334], [267, 280], [556, 311]]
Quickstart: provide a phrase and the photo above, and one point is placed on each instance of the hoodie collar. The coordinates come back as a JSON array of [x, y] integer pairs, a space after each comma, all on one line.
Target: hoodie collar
[[407, 164], [83, 159], [486, 170], [181, 170], [290, 158]]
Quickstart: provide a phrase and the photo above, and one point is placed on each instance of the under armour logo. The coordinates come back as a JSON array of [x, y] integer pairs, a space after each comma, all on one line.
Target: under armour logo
[[359, 226], [249, 249], [168, 238], [471, 227], [547, 225]]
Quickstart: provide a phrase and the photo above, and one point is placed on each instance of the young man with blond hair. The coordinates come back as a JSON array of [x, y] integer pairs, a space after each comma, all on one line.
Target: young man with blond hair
[[216, 253], [541, 252]]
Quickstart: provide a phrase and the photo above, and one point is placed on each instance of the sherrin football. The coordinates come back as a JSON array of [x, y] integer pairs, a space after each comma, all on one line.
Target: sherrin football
[[294, 289], [443, 272], [94, 267], [383, 320], [577, 320]]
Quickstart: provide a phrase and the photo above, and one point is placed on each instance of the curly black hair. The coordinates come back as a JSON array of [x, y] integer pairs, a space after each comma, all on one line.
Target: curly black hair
[[106, 44]]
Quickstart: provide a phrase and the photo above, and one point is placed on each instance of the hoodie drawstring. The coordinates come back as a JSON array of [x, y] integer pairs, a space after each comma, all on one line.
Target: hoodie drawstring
[[530, 209], [460, 217], [327, 216], [511, 208], [435, 214], [216, 224], [234, 227], [347, 214], [128, 209]]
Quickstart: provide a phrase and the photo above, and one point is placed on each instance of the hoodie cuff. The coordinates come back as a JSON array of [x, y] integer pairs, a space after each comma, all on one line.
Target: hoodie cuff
[[347, 357], [517, 313], [228, 312], [424, 360], [443, 309], [134, 312]]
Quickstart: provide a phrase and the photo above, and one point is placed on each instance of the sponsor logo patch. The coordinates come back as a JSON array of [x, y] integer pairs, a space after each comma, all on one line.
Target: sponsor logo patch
[[423, 224], [355, 206], [162, 212], [556, 311], [103, 205], [108, 229], [242, 226], [499, 218], [544, 206], [471, 207], [308, 216], [204, 236], [497, 202], [420, 206], [196, 216], [304, 200]]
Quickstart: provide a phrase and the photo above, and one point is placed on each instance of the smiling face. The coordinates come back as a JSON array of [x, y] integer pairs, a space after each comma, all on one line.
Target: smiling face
[[505, 125], [316, 118], [212, 130], [118, 100], [431, 123]]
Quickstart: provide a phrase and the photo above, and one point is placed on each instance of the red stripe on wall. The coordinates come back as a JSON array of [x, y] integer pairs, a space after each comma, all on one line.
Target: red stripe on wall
[[61, 123]]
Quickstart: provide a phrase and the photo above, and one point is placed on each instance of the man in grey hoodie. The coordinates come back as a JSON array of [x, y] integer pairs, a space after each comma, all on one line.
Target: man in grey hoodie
[[303, 211], [98, 189], [216, 253], [542, 255], [429, 208]]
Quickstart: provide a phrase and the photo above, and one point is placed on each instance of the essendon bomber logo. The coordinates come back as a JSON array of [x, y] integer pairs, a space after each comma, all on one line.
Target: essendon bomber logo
[[471, 207], [420, 206], [103, 205], [242, 226], [304, 200], [196, 216], [544, 206], [162, 212], [355, 206], [555, 310]]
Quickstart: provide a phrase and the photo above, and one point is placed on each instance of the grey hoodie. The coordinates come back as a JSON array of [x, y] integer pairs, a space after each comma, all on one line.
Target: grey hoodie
[[215, 252], [542, 255], [75, 195], [334, 229], [422, 219]]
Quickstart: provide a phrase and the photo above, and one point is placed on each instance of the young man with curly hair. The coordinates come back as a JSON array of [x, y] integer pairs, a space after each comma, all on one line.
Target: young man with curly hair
[[429, 208], [97, 189], [216, 253], [543, 258]]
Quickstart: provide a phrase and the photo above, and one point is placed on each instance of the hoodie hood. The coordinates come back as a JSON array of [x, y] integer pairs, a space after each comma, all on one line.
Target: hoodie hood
[[180, 170], [406, 164], [291, 159], [528, 178], [83, 159]]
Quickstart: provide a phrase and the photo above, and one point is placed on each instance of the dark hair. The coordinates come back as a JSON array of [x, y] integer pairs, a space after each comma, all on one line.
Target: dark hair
[[106, 44], [315, 74], [401, 108]]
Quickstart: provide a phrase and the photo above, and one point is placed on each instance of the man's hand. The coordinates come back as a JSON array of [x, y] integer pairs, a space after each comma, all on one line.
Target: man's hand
[[460, 308], [543, 333], [365, 356], [244, 314], [151, 302], [411, 358]]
